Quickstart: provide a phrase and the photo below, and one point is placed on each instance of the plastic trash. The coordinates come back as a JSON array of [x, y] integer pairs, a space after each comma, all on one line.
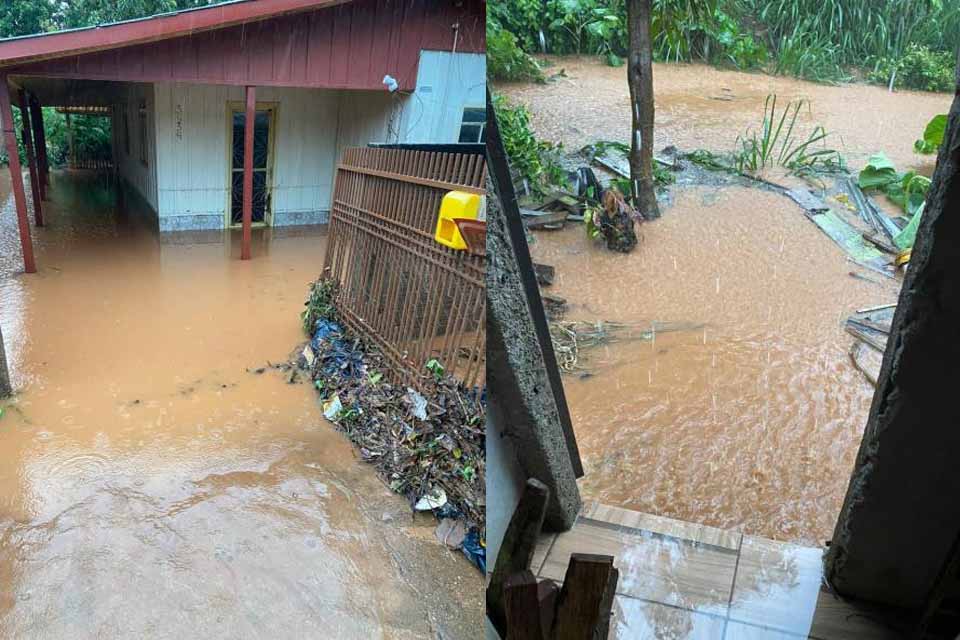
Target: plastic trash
[[475, 551], [433, 500], [338, 355], [332, 408], [418, 404], [451, 532]]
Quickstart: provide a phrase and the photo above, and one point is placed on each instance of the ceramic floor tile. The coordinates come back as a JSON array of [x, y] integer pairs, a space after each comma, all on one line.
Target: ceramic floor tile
[[640, 620], [652, 566], [666, 526], [777, 585], [741, 631], [540, 553]]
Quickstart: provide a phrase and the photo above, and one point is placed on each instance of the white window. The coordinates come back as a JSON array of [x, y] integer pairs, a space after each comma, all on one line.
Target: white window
[[473, 127]]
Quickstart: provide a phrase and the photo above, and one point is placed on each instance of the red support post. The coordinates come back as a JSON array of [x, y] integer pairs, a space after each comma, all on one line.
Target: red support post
[[40, 138], [31, 158], [16, 178], [249, 120]]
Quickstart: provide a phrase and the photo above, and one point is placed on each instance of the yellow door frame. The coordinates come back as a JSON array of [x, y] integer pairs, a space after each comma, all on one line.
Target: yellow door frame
[[234, 106]]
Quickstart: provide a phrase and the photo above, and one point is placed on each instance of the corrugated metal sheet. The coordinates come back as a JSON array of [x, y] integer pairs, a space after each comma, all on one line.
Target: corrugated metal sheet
[[351, 46]]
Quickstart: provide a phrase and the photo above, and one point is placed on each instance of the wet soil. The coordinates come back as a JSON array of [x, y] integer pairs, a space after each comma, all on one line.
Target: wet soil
[[154, 484]]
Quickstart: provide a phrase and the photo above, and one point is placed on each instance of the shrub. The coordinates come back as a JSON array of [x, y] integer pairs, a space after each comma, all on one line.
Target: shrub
[[919, 68], [505, 59], [535, 161]]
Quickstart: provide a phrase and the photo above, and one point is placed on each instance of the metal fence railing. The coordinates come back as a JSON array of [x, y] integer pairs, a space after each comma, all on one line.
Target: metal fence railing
[[398, 288]]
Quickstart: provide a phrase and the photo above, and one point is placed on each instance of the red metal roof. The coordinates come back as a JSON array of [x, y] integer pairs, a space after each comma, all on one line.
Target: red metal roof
[[351, 45], [43, 46]]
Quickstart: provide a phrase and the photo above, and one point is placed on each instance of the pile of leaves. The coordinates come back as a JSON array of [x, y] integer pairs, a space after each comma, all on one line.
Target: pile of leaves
[[425, 443]]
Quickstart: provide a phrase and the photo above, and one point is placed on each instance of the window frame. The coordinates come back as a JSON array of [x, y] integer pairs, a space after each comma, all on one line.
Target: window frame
[[481, 124]]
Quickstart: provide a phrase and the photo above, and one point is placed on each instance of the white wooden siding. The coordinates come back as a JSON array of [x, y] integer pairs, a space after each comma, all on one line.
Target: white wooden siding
[[143, 179], [192, 139], [191, 187]]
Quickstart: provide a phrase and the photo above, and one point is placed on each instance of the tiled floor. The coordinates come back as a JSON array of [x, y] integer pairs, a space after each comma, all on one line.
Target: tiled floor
[[681, 581]]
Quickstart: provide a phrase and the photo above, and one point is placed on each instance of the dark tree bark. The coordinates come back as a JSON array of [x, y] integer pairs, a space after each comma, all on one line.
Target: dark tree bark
[[640, 79]]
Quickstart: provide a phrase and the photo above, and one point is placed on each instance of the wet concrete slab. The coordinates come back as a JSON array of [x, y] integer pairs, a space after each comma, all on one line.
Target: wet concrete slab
[[157, 481]]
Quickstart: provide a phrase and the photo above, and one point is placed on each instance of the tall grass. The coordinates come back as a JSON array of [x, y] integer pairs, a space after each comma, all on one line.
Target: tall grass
[[863, 30], [778, 143]]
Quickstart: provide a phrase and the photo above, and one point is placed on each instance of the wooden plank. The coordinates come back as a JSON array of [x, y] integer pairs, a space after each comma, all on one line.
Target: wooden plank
[[517, 548], [544, 220], [586, 599], [522, 606]]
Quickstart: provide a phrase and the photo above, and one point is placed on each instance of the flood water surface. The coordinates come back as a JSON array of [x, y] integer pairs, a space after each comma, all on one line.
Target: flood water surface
[[698, 106], [752, 419], [159, 479]]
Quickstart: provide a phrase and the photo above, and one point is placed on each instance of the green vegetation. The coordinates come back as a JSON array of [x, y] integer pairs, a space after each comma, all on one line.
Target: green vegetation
[[535, 161], [919, 68], [777, 144], [933, 135], [908, 190], [320, 304], [506, 60], [819, 40]]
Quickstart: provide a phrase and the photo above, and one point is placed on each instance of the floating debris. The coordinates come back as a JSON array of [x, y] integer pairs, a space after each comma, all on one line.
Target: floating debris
[[571, 338], [871, 328]]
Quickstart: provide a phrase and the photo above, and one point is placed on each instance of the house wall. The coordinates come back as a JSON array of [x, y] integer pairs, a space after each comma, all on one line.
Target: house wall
[[192, 139], [140, 177], [446, 83], [313, 126]]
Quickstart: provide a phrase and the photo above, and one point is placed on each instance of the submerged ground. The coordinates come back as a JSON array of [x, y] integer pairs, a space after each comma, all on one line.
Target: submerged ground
[[155, 482], [752, 422]]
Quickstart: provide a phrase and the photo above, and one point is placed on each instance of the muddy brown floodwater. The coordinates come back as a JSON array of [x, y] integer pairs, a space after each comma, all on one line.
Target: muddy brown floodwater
[[698, 106], [154, 485], [754, 421]]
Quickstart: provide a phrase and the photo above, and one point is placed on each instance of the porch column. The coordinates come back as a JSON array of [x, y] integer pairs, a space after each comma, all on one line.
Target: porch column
[[71, 161], [31, 158], [251, 114], [40, 138], [16, 178]]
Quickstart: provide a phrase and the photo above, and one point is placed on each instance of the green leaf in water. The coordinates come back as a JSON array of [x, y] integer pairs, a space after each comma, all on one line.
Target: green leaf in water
[[878, 172], [932, 135]]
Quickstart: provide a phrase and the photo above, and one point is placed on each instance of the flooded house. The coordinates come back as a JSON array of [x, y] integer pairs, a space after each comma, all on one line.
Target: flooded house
[[234, 115]]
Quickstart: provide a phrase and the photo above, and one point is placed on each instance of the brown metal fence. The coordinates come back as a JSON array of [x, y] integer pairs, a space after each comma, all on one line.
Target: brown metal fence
[[413, 298]]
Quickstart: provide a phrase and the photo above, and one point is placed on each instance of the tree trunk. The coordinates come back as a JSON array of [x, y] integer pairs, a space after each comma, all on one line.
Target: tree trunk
[[640, 79], [5, 389]]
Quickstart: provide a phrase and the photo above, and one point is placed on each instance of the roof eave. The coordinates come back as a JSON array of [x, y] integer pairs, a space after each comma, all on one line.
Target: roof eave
[[45, 46]]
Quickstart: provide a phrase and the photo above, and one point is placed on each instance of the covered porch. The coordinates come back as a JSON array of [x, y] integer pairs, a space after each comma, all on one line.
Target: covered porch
[[233, 116]]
